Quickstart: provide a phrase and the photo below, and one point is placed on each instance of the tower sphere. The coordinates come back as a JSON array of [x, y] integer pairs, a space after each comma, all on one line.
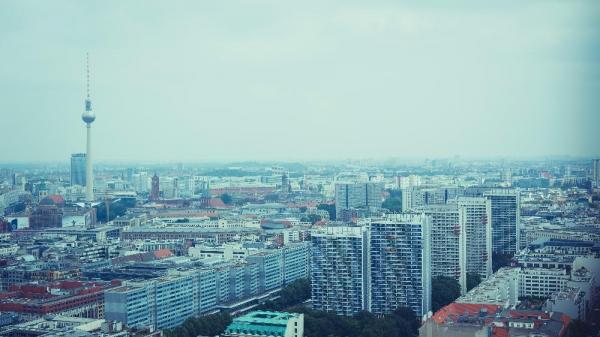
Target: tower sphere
[[88, 116]]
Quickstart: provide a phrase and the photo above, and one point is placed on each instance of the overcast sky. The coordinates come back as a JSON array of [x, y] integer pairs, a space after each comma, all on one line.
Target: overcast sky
[[282, 80]]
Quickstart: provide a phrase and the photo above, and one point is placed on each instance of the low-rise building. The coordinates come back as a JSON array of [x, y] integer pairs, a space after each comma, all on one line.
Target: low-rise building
[[484, 320], [267, 324], [500, 289]]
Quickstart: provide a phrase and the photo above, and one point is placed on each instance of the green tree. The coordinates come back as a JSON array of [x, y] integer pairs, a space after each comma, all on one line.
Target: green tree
[[226, 198], [500, 260], [210, 325], [330, 208], [312, 218], [473, 279], [293, 294], [444, 290], [394, 204]]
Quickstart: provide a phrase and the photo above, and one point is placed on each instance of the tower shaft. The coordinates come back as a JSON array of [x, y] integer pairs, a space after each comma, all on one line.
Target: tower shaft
[[89, 174]]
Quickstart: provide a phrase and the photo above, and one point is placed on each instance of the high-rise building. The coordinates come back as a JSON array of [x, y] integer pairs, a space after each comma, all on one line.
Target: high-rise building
[[418, 197], [448, 244], [339, 269], [78, 164], [400, 264], [378, 268], [596, 171], [474, 217], [358, 195], [155, 189], [505, 219]]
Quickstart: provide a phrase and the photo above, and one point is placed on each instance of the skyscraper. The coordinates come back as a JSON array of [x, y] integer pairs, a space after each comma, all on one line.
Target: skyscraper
[[78, 165], [474, 214], [505, 218], [400, 263], [88, 117], [339, 269]]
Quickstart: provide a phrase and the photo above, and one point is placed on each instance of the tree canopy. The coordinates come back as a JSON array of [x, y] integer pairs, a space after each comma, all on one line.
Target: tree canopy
[[444, 290], [401, 323], [226, 198], [293, 294], [500, 260], [330, 208], [210, 325], [473, 279]]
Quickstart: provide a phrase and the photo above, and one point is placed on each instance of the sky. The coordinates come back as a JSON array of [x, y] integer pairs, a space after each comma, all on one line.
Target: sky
[[299, 80]]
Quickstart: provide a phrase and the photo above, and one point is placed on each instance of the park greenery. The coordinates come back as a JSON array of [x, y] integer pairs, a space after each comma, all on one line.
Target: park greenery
[[210, 325], [401, 323]]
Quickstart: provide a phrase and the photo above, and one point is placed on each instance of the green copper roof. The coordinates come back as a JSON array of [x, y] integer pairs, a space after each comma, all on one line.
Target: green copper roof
[[269, 323]]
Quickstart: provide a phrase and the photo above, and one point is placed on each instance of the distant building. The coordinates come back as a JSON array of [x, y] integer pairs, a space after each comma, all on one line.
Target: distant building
[[505, 220], [48, 214], [358, 195], [78, 169], [596, 171], [413, 197], [155, 189], [267, 324], [69, 298]]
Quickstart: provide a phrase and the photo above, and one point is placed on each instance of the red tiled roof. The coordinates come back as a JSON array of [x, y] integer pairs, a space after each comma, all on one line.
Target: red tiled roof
[[162, 253], [453, 310]]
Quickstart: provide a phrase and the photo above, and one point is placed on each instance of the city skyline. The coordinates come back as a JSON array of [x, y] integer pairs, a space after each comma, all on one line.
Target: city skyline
[[211, 84]]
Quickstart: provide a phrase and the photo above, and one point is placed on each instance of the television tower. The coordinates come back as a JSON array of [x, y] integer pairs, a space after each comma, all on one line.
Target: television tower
[[88, 117]]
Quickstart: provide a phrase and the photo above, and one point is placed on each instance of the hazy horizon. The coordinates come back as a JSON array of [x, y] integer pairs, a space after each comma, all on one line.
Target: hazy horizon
[[268, 81]]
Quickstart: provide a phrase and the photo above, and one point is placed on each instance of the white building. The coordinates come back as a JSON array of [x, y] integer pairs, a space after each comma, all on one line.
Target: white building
[[542, 282], [474, 215], [502, 288]]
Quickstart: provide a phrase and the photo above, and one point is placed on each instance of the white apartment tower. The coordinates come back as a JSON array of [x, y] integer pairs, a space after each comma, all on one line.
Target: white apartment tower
[[474, 217], [448, 243]]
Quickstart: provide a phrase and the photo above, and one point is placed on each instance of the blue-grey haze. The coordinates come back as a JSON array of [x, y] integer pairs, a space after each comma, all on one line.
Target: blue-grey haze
[[289, 80]]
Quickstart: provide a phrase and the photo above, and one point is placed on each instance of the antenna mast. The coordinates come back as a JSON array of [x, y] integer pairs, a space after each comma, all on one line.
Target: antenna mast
[[88, 100]]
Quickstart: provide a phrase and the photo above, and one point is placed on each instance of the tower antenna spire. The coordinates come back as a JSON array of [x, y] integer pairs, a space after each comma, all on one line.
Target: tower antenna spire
[[87, 63], [88, 100]]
